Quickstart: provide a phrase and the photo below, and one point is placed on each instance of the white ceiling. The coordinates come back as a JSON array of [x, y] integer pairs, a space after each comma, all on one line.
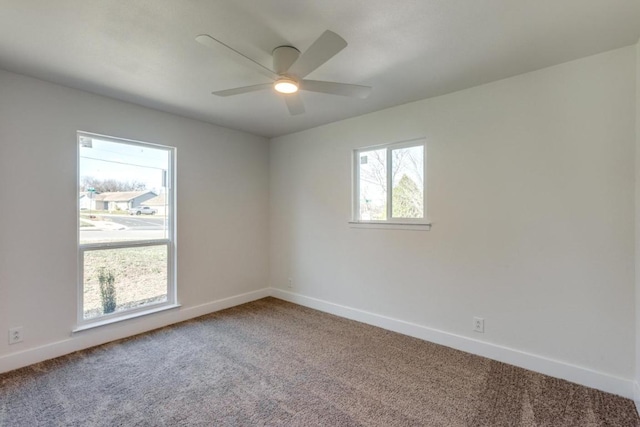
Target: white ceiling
[[143, 51]]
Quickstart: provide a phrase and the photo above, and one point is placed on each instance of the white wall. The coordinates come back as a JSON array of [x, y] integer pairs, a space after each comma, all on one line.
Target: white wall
[[531, 195], [222, 207], [637, 234]]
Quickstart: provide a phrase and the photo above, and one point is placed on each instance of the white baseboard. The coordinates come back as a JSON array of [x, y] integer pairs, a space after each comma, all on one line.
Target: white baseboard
[[92, 337], [576, 374], [636, 395]]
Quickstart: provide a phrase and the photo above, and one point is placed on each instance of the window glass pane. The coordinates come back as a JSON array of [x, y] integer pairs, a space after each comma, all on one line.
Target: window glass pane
[[122, 279], [373, 185], [407, 167], [123, 193], [124, 200]]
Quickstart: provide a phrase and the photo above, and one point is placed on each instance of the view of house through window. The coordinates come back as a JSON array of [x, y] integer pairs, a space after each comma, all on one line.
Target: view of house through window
[[125, 227], [389, 183]]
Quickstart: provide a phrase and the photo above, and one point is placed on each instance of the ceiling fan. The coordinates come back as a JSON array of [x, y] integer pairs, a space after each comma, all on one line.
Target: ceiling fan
[[290, 69]]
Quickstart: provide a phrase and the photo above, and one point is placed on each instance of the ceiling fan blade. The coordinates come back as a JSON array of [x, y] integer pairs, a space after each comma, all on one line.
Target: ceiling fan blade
[[234, 55], [323, 49], [332, 88], [294, 103], [244, 89]]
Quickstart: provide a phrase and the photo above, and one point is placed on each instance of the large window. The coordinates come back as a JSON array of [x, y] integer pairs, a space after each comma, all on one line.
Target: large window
[[126, 239], [389, 184]]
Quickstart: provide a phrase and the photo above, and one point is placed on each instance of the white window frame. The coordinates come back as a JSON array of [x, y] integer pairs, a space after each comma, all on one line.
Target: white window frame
[[169, 242], [390, 222]]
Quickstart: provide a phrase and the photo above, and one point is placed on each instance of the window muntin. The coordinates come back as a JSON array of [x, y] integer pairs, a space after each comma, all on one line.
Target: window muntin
[[389, 184], [122, 247]]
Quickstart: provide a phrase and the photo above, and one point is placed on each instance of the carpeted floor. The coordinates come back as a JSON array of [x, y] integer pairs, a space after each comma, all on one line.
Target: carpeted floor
[[274, 363]]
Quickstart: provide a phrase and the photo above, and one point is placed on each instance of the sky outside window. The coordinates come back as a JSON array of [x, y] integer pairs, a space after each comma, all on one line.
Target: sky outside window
[[103, 160]]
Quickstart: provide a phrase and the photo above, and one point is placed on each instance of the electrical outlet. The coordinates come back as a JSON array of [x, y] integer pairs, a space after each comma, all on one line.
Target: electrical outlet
[[478, 324], [290, 283], [15, 335]]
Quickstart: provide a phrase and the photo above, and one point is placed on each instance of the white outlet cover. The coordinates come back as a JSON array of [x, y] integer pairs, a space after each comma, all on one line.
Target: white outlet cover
[[478, 324], [15, 335]]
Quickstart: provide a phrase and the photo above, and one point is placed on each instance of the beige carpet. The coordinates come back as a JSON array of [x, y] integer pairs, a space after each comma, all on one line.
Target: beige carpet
[[273, 363]]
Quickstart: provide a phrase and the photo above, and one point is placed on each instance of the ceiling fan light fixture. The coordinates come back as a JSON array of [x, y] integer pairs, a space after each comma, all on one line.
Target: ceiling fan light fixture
[[286, 85]]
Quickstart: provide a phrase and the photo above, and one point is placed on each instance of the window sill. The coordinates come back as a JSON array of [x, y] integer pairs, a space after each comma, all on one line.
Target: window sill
[[117, 319], [391, 225]]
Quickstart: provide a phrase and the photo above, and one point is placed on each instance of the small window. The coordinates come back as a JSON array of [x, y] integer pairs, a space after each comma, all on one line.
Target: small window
[[126, 238], [389, 184]]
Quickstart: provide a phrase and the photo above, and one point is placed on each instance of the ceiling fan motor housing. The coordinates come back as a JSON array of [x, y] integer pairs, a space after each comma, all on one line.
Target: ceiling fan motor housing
[[283, 58]]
